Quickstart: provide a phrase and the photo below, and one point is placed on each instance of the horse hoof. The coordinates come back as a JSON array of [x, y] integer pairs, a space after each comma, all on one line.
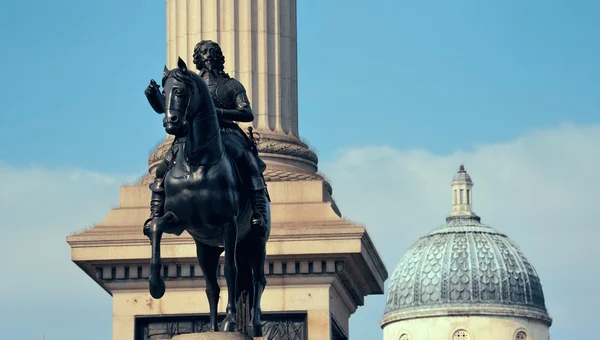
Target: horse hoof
[[157, 287], [229, 326], [255, 331]]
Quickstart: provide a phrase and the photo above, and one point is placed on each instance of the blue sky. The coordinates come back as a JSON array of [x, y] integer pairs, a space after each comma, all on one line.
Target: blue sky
[[435, 78]]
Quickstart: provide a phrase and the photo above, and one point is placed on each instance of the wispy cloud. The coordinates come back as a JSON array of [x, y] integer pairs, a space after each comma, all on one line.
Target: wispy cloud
[[46, 291], [542, 189]]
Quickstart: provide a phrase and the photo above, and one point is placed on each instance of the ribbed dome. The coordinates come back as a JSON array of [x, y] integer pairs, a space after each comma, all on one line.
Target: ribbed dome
[[462, 175], [464, 268]]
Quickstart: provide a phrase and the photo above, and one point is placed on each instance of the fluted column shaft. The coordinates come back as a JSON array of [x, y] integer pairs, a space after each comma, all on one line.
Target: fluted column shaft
[[258, 39]]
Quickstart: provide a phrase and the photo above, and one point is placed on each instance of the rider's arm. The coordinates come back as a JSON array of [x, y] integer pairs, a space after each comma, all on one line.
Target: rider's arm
[[156, 99], [243, 111]]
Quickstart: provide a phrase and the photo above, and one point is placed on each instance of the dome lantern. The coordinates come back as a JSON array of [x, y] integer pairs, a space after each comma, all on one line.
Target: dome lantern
[[462, 195]]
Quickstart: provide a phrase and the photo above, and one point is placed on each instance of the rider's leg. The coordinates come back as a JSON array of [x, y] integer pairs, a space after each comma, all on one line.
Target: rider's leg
[[157, 200], [258, 193], [250, 170]]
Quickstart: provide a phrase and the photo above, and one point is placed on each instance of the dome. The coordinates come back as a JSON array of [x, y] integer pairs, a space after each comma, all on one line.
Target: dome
[[464, 267], [462, 175]]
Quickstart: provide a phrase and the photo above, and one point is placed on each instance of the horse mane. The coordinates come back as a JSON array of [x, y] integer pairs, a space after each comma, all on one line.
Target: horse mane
[[188, 77]]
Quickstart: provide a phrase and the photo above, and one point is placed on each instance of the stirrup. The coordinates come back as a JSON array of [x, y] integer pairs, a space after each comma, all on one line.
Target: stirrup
[[258, 218]]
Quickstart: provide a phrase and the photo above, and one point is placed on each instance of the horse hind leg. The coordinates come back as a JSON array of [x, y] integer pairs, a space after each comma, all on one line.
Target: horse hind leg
[[208, 258], [257, 258], [244, 287], [154, 232], [230, 231]]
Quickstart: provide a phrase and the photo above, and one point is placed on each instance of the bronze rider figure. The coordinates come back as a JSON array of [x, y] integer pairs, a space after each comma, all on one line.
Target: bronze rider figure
[[232, 105]]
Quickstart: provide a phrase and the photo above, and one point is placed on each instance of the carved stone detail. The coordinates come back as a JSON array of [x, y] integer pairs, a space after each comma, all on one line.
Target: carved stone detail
[[275, 326], [174, 271], [160, 152], [275, 146], [464, 262], [265, 145]]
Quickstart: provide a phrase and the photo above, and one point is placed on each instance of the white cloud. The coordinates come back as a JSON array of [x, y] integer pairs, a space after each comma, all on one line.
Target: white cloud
[[542, 190], [39, 208]]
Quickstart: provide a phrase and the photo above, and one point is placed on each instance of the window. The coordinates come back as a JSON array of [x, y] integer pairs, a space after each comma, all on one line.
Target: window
[[468, 196], [462, 192], [521, 336], [404, 337], [460, 334], [455, 198]]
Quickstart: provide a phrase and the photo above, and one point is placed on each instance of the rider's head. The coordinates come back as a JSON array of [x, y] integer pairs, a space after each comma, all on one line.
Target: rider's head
[[208, 55]]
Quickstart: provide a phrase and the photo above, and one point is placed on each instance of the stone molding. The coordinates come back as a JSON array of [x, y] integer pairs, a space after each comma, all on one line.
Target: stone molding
[[106, 274], [468, 310], [108, 236], [287, 148], [268, 145]]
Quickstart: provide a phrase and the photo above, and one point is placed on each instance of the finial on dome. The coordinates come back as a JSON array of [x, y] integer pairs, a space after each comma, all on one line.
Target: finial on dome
[[462, 175], [462, 194]]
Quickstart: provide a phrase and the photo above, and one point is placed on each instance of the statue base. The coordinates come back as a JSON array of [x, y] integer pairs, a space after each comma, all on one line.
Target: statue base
[[212, 336]]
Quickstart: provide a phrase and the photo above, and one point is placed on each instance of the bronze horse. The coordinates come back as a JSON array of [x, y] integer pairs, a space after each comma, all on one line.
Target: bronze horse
[[205, 197]]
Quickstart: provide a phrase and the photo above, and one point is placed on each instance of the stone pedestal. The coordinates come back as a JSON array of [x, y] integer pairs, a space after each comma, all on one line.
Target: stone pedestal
[[319, 267], [212, 336]]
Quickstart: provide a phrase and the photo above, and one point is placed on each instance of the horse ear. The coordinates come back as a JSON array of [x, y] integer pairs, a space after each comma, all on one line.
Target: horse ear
[[181, 64], [165, 71]]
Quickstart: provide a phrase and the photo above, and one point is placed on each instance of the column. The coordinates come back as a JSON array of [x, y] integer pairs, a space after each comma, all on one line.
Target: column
[[258, 39]]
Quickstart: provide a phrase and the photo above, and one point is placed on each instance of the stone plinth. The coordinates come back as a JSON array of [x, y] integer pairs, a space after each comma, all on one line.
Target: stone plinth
[[319, 266], [212, 336]]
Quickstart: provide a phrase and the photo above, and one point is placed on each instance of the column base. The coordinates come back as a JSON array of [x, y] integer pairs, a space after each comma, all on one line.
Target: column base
[[282, 152], [286, 157]]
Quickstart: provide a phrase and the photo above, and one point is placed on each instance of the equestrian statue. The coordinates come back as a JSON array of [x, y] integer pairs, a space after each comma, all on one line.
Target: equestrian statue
[[210, 183]]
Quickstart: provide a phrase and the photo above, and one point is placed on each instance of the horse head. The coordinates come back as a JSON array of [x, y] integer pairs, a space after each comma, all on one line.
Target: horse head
[[181, 98]]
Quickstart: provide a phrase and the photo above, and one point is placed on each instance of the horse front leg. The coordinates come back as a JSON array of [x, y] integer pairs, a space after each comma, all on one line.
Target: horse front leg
[[154, 232], [230, 232], [208, 258]]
